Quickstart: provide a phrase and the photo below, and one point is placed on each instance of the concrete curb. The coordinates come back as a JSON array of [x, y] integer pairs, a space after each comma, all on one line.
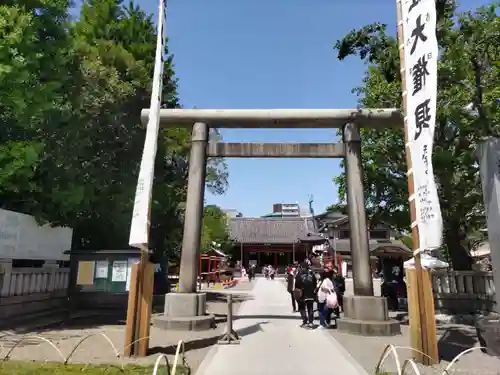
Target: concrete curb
[[361, 370]]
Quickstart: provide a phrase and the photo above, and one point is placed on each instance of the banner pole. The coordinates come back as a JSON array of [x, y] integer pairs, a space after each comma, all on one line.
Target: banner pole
[[141, 216], [418, 328]]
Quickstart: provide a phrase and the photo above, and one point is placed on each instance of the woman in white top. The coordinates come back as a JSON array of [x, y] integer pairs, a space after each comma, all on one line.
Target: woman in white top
[[325, 288]]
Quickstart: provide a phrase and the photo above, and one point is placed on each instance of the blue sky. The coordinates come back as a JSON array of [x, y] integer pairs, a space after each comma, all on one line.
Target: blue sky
[[271, 54]]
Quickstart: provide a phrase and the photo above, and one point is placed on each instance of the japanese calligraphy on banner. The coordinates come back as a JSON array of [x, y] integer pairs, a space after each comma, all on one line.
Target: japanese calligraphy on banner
[[139, 229], [421, 54]]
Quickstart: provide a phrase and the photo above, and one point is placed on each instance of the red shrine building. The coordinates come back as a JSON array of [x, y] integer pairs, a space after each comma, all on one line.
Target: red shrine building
[[279, 240], [276, 241]]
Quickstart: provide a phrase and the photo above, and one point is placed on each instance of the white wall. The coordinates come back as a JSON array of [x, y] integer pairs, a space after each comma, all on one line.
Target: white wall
[[22, 238]]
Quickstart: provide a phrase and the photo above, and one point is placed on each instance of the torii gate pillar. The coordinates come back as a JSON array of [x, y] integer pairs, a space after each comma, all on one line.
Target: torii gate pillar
[[364, 314], [360, 251], [186, 309], [193, 216]]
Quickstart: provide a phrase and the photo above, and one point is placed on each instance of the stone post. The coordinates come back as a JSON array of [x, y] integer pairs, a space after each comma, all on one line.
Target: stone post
[[52, 267], [360, 251], [193, 217], [364, 314], [5, 276], [489, 162]]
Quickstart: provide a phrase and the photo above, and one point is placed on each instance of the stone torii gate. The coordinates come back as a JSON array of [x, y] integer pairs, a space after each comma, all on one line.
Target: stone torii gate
[[364, 313]]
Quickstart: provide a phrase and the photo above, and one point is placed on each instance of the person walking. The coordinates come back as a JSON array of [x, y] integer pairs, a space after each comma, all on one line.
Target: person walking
[[251, 272], [305, 286], [290, 280], [339, 284], [325, 288]]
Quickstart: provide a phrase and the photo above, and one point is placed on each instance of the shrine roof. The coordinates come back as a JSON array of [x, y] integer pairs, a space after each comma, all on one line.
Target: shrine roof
[[288, 230], [271, 230]]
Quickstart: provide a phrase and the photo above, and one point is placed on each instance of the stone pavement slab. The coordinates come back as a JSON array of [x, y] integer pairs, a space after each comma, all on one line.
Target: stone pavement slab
[[273, 343]]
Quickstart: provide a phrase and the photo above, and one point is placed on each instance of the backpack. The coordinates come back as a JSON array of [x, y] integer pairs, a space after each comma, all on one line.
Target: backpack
[[308, 278]]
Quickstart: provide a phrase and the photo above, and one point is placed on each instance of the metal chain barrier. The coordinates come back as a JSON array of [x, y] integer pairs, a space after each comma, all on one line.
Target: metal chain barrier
[[180, 353], [410, 363], [179, 358], [26, 337]]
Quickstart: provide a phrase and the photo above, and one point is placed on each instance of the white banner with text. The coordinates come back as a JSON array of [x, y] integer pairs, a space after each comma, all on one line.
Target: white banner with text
[[421, 54]]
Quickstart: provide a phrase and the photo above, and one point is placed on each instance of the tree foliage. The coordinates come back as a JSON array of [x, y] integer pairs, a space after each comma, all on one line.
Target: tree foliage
[[71, 140], [215, 230], [467, 112]]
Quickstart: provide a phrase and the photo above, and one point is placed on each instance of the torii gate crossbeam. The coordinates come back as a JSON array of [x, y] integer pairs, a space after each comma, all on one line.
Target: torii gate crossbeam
[[279, 118]]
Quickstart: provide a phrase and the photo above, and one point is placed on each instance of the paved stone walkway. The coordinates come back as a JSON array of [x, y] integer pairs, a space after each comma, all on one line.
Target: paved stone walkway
[[273, 343]]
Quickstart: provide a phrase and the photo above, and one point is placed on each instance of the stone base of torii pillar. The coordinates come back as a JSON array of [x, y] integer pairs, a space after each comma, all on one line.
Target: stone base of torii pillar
[[367, 316], [186, 312]]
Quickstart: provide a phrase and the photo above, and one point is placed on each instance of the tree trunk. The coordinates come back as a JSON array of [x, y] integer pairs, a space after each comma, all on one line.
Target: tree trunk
[[457, 250]]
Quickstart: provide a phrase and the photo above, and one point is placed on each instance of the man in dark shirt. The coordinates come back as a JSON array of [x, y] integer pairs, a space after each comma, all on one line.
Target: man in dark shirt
[[290, 279], [306, 283], [339, 283]]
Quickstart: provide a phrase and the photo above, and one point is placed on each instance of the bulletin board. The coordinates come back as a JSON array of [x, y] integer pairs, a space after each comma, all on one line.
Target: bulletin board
[[110, 275]]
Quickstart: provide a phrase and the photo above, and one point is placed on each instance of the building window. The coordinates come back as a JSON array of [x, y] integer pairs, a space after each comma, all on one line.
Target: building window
[[343, 234], [379, 234]]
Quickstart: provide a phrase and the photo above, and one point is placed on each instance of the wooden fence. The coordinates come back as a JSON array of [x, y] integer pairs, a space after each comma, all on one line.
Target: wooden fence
[[463, 292]]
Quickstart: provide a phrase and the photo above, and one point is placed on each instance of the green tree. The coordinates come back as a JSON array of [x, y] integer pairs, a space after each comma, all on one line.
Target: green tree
[[71, 139], [337, 207], [34, 79], [101, 25], [215, 229], [115, 46], [467, 73]]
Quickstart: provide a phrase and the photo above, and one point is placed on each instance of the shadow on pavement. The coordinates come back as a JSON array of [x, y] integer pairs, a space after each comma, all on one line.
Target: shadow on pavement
[[454, 340], [251, 329], [203, 343], [216, 297], [402, 317], [267, 316], [85, 320]]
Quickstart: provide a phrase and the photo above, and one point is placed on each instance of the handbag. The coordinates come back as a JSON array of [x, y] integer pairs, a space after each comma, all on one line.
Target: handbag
[[297, 293], [332, 300]]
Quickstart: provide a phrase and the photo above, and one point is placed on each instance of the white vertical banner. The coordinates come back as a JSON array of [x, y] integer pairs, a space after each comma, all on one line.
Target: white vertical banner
[[421, 54], [139, 229]]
